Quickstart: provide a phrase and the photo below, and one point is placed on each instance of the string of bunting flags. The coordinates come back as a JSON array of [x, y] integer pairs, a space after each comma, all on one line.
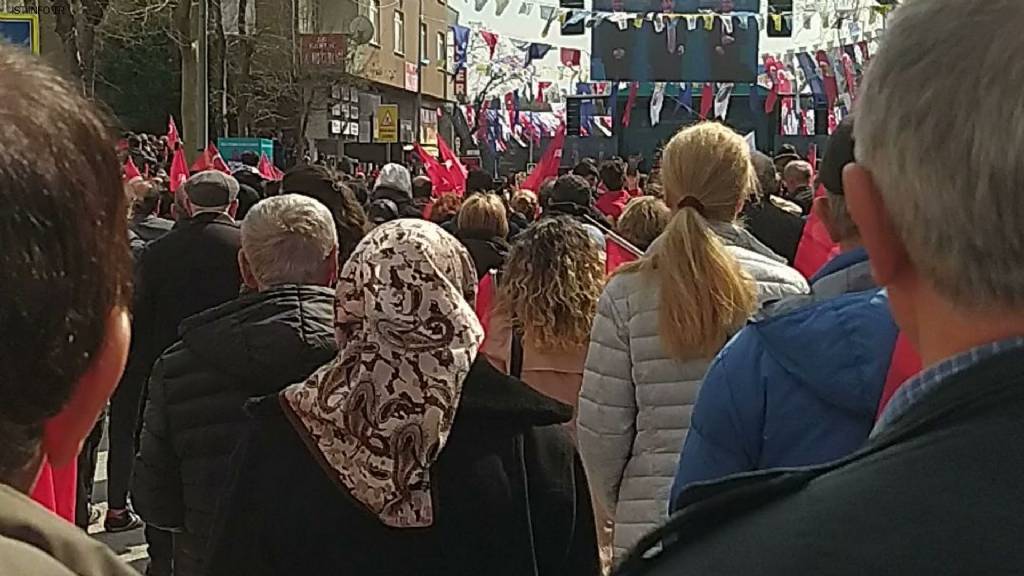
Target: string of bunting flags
[[776, 20]]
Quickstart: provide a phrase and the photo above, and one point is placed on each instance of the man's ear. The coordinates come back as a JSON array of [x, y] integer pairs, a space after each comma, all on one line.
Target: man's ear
[[331, 268], [63, 434], [246, 269], [888, 255], [822, 208], [233, 208]]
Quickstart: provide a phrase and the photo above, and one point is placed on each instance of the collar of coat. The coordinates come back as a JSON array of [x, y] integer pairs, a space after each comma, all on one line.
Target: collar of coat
[[489, 393]]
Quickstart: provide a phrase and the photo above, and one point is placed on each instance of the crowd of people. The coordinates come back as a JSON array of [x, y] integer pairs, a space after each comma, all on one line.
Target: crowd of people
[[348, 373]]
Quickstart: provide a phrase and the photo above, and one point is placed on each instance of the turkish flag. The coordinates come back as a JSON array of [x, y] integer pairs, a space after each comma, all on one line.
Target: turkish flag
[[268, 170], [616, 255], [179, 169], [548, 166], [130, 170]]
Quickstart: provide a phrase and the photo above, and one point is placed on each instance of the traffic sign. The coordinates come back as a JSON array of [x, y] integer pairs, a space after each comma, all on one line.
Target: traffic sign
[[387, 123], [20, 30]]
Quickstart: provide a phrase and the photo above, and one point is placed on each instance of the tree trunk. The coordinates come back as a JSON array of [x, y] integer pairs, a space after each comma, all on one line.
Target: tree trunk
[[66, 30], [244, 82], [89, 17], [218, 71], [184, 25]]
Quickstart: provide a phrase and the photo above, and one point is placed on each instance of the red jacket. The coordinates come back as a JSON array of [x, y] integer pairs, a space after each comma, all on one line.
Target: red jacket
[[612, 203]]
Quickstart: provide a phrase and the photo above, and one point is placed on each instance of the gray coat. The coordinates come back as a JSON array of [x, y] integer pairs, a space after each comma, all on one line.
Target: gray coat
[[636, 400]]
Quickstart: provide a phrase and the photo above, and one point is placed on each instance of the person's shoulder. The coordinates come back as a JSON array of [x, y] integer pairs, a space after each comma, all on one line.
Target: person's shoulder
[[35, 541], [624, 283], [17, 557], [765, 270]]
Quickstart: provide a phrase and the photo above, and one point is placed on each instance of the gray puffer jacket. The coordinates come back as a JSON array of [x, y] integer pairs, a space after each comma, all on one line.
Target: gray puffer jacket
[[636, 400]]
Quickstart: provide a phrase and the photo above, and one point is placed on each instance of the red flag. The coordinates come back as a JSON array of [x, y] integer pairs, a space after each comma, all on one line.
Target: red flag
[[482, 121], [216, 159], [437, 173], [484, 300], [630, 101], [267, 170], [707, 100], [456, 170], [816, 246], [491, 39], [570, 56], [56, 489], [172, 134], [130, 170], [828, 78], [203, 162], [549, 163], [542, 87], [771, 68], [179, 169], [905, 363], [616, 255]]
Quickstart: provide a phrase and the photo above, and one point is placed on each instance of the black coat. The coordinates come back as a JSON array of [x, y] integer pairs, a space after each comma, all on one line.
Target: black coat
[[191, 268], [937, 492], [487, 254], [803, 197], [776, 228], [252, 346], [149, 227], [508, 469]]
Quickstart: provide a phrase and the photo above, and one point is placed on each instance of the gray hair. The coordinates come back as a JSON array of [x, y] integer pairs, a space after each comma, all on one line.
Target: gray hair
[[946, 150], [287, 239]]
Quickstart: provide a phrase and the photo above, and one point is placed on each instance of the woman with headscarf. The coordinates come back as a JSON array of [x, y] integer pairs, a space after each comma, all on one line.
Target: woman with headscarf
[[407, 454]]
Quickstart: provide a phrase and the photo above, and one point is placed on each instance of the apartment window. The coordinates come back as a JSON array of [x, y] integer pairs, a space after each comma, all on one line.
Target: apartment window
[[308, 16], [424, 54], [399, 33], [442, 50], [375, 18]]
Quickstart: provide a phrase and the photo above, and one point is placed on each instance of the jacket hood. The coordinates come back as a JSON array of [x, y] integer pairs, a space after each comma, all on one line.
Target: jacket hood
[[487, 254], [490, 394], [734, 235], [837, 349], [270, 336]]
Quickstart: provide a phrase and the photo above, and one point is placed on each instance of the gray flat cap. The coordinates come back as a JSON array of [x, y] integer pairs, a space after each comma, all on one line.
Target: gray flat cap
[[211, 189]]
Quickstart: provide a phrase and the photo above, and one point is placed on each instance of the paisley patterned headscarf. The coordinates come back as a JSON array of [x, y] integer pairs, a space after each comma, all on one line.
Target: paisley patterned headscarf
[[380, 412]]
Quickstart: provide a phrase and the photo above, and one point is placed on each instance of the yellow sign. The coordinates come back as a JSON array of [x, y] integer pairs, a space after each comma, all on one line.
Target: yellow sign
[[387, 123]]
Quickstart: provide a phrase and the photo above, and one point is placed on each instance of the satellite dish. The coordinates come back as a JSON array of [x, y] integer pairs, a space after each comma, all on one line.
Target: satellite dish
[[360, 30]]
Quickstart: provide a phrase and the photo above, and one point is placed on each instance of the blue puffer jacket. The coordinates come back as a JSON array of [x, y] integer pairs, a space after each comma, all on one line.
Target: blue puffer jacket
[[794, 389]]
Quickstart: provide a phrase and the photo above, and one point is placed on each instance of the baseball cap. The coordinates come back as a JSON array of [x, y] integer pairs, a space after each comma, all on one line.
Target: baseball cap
[[211, 189], [838, 153]]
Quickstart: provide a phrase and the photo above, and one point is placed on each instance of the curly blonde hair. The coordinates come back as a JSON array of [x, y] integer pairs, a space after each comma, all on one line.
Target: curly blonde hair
[[552, 280]]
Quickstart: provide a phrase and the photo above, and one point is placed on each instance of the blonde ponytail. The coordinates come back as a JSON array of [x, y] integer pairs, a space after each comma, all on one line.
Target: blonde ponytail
[[704, 294]]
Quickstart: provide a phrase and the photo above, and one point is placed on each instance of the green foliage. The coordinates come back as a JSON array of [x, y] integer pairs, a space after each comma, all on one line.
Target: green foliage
[[140, 80]]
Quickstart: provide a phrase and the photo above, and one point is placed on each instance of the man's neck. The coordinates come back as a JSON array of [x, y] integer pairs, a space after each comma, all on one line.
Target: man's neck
[[214, 212], [944, 331]]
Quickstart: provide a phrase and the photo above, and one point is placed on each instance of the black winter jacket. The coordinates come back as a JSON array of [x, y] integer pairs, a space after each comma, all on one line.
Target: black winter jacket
[[510, 499], [936, 492], [487, 254], [776, 228], [194, 418], [191, 268]]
